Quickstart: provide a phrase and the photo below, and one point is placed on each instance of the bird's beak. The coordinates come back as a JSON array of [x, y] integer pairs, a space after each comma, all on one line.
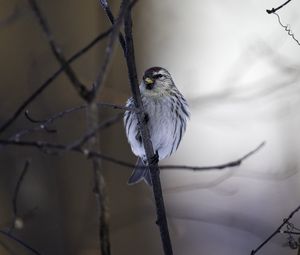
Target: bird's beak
[[148, 81]]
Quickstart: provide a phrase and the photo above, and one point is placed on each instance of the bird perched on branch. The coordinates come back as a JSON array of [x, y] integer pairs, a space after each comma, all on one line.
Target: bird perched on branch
[[166, 114]]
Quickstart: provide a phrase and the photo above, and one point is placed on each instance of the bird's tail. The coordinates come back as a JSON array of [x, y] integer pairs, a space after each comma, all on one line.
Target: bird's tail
[[139, 173]]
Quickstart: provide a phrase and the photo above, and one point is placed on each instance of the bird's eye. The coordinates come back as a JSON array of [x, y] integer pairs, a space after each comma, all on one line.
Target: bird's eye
[[157, 76]]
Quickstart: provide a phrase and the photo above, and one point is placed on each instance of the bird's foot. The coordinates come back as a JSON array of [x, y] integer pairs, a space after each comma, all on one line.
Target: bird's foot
[[154, 159]]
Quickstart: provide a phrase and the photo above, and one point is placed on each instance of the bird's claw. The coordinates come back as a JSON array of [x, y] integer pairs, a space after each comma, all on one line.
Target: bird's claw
[[154, 159]]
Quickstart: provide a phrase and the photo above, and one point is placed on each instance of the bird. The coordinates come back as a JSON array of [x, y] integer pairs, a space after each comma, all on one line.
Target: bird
[[166, 115]]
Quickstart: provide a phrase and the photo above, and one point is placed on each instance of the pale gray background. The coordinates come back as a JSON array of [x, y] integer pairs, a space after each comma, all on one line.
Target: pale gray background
[[240, 73]]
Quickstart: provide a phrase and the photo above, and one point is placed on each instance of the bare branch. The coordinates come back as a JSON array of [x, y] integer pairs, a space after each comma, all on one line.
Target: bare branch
[[111, 18], [45, 85], [273, 10], [102, 208], [290, 232], [19, 241], [12, 17], [119, 107], [91, 133], [17, 188], [234, 163], [77, 144], [26, 113], [50, 120], [91, 136], [285, 221], [79, 87], [108, 51], [146, 139], [45, 146], [44, 127], [99, 183], [287, 29], [43, 124]]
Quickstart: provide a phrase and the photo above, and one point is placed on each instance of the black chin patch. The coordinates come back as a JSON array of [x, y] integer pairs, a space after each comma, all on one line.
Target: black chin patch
[[149, 86]]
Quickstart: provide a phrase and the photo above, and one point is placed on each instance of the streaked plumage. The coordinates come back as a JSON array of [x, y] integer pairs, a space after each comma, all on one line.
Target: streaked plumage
[[167, 114]]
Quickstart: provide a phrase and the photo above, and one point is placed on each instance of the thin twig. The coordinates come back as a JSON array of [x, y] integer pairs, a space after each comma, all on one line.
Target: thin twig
[[102, 208], [273, 10], [46, 122], [45, 146], [93, 137], [17, 188], [79, 87], [44, 127], [45, 85], [289, 232], [93, 131], [287, 29], [12, 17], [26, 113], [108, 52], [276, 231], [146, 139], [119, 107], [19, 241], [43, 123], [76, 144], [111, 18], [216, 167], [174, 167], [99, 183]]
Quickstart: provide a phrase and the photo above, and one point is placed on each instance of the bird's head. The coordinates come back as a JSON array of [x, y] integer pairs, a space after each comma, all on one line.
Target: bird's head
[[157, 81]]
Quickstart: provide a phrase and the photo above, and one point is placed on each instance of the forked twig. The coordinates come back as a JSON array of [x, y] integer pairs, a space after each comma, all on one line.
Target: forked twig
[[49, 81], [146, 139], [46, 146], [79, 87], [276, 231], [273, 10]]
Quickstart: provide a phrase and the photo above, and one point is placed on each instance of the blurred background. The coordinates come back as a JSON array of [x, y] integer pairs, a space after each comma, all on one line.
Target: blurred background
[[238, 69]]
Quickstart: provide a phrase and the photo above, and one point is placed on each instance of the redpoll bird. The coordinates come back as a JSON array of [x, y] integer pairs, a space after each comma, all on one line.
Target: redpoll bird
[[166, 116]]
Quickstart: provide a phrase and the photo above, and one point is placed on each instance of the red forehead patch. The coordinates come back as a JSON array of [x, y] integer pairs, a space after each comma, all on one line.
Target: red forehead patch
[[152, 70]]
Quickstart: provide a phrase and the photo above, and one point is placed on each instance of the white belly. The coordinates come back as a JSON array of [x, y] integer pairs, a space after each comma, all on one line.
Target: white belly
[[161, 126], [166, 124]]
